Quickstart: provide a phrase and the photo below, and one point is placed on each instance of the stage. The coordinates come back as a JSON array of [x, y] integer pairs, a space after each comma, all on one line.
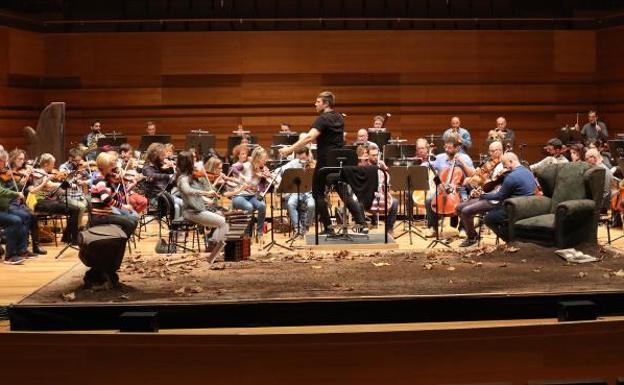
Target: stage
[[303, 287]]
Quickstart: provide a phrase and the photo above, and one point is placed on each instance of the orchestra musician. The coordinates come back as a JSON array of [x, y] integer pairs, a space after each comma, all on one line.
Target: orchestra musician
[[192, 191], [554, 149], [159, 177], [285, 129], [378, 123], [444, 161], [21, 174], [16, 229], [467, 210], [594, 129], [362, 139], [328, 132], [89, 141], [383, 192], [255, 176], [108, 205], [461, 134], [50, 197], [75, 192], [302, 161], [519, 181], [501, 132], [423, 152], [594, 158], [150, 128]]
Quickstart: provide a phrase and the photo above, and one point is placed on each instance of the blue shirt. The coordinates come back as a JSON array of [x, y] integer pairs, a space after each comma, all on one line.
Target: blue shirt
[[442, 161], [519, 182], [463, 133]]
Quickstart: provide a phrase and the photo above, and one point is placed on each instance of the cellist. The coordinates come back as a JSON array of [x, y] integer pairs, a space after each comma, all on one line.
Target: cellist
[[452, 163]]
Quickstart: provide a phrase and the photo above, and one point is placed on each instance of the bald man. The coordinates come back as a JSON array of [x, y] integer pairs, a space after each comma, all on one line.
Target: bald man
[[362, 139], [507, 133], [467, 210], [518, 182], [461, 134]]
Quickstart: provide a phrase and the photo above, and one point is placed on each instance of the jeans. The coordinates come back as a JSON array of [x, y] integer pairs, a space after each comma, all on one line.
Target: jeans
[[27, 216], [209, 219], [308, 215], [16, 232], [249, 204], [497, 221], [468, 209]]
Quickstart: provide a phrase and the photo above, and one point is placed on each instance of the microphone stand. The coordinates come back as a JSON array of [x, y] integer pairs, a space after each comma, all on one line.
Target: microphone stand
[[68, 245]]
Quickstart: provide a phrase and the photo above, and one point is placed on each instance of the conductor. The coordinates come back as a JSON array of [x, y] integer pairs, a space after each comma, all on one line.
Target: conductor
[[328, 131]]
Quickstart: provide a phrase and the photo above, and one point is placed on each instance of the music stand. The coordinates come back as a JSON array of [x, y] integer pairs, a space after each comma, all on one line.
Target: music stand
[[616, 148], [399, 151], [410, 179], [381, 138], [201, 141], [569, 135], [146, 140], [296, 181], [112, 140], [235, 140], [285, 139]]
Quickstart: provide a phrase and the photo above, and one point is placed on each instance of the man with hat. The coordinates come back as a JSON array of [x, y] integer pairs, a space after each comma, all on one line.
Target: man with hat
[[554, 148]]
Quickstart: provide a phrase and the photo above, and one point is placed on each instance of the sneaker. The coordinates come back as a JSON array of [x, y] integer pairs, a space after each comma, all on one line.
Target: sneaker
[[39, 250], [28, 255], [462, 234], [328, 231], [361, 229], [15, 260], [469, 242], [430, 232]]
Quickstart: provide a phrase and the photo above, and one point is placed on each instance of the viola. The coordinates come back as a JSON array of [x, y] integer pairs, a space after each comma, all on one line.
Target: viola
[[448, 197], [618, 198]]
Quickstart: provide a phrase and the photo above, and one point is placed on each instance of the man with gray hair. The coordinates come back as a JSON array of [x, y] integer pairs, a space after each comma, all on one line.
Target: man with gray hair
[[594, 158]]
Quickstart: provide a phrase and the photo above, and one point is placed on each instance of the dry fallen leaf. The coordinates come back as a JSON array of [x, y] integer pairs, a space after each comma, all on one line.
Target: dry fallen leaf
[[428, 266], [450, 268], [536, 270], [196, 289], [379, 264], [607, 275], [523, 261], [316, 266], [124, 296], [582, 274], [69, 296], [180, 291], [478, 264], [511, 249], [619, 273], [503, 265]]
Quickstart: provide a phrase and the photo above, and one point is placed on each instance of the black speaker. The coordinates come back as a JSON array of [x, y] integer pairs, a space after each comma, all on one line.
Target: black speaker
[[577, 310], [139, 321]]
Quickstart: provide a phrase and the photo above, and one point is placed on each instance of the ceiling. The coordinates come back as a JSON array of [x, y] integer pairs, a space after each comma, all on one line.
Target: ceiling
[[220, 15]]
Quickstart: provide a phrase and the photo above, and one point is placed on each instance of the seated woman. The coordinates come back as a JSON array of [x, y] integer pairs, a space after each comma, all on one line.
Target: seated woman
[[21, 180], [194, 209], [15, 229], [253, 175], [107, 206], [51, 198], [159, 175]]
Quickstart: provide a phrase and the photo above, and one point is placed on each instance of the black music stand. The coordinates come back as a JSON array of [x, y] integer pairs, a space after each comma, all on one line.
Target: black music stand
[[296, 181], [235, 140], [202, 141], [112, 140], [271, 190], [286, 139], [569, 135], [616, 148], [410, 179], [66, 184], [381, 138], [146, 140], [399, 151], [437, 240]]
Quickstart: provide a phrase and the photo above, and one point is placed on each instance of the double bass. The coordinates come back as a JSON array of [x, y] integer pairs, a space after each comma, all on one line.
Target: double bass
[[447, 195]]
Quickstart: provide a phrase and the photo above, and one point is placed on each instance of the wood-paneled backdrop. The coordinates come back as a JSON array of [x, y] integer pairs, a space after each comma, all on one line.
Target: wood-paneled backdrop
[[216, 80]]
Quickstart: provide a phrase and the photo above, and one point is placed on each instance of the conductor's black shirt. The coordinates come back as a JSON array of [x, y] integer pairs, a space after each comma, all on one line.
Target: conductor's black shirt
[[331, 127]]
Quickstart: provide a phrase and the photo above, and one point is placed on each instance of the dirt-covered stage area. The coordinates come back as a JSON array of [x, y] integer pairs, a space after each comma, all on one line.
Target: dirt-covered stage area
[[184, 278]]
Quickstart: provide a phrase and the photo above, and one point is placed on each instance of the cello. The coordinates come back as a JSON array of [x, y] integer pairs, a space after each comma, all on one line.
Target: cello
[[447, 194]]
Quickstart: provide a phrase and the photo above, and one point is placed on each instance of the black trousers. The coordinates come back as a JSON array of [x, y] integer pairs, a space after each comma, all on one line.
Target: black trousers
[[322, 179], [70, 234]]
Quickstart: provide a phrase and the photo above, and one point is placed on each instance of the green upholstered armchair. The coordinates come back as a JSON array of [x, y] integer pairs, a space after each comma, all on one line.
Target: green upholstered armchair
[[567, 214]]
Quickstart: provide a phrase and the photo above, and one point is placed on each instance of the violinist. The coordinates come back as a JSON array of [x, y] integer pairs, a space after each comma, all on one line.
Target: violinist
[[594, 158], [108, 204], [468, 209], [15, 228], [125, 157], [79, 181], [378, 124], [158, 177], [50, 197], [21, 175], [463, 164], [192, 190], [229, 185], [255, 175]]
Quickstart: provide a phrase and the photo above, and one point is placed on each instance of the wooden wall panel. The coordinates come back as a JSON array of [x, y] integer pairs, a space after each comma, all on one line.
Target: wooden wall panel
[[611, 78], [216, 80], [26, 54]]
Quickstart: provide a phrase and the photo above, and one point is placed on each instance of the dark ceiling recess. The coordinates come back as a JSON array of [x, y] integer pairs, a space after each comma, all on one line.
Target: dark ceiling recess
[[245, 15]]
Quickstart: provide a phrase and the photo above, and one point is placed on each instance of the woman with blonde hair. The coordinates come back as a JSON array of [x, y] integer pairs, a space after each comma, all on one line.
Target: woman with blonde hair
[[254, 175]]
